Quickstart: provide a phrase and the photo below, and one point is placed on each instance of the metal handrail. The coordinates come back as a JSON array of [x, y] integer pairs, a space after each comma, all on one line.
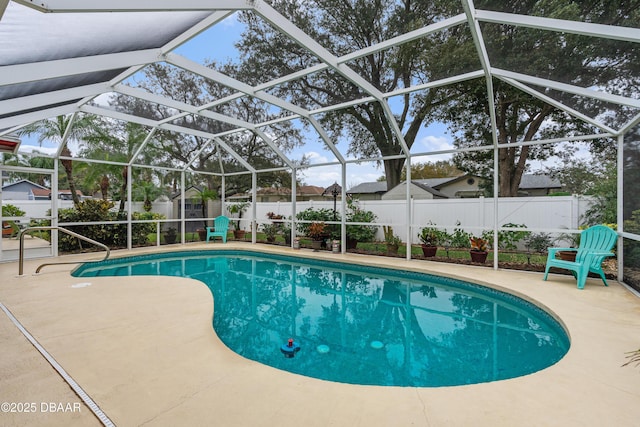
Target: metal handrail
[[28, 230]]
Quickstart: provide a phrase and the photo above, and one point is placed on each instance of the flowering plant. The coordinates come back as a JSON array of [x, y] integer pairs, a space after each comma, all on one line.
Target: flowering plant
[[478, 244], [316, 230]]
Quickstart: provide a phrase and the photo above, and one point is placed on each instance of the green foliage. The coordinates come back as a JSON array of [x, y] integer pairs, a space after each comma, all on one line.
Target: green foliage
[[459, 238], [509, 239], [605, 190], [539, 242], [431, 236], [389, 236], [341, 27], [112, 235], [312, 215], [437, 169], [11, 210], [270, 230], [237, 208], [177, 147], [361, 233]]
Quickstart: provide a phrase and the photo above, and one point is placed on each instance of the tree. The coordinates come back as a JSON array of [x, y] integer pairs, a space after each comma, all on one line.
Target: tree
[[569, 58], [604, 189], [117, 142], [54, 129], [173, 149], [146, 191], [577, 176], [342, 27], [38, 160], [437, 169], [204, 196]]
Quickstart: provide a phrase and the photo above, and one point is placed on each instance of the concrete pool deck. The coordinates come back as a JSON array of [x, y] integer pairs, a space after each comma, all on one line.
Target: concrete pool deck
[[145, 351]]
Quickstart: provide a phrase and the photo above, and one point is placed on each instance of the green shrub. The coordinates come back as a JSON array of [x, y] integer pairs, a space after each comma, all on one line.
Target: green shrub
[[11, 210], [112, 235], [539, 242], [312, 215], [361, 233], [459, 238]]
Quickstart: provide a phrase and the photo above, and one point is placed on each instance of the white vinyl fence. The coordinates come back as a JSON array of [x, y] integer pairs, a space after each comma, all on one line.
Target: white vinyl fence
[[548, 214], [538, 214]]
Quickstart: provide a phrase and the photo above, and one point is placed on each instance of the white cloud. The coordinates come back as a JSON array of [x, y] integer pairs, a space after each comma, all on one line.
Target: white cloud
[[431, 143], [324, 176], [315, 158], [31, 148]]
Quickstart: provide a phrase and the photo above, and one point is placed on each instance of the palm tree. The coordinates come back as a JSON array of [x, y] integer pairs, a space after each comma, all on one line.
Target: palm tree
[[38, 162], [205, 195], [117, 143], [147, 191], [54, 130]]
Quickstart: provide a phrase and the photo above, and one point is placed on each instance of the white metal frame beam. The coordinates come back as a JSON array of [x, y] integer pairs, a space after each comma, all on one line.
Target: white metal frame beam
[[31, 102], [561, 25], [78, 6], [35, 71], [567, 88]]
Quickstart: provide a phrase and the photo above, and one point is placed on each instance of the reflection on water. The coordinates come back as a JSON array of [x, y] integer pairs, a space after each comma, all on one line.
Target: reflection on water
[[366, 328]]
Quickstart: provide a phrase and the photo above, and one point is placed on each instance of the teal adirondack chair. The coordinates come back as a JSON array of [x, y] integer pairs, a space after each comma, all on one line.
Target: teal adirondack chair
[[219, 229], [595, 245]]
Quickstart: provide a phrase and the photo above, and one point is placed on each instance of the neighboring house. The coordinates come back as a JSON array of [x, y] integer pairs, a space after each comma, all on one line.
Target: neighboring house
[[282, 194], [311, 192], [25, 190], [458, 187], [538, 185], [462, 186], [66, 194], [368, 190], [418, 191]]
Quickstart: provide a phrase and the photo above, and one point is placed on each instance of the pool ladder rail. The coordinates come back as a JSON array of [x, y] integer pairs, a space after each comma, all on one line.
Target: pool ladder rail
[[28, 230]]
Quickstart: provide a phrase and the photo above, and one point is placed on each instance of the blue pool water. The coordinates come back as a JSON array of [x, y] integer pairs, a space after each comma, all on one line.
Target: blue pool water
[[361, 325]]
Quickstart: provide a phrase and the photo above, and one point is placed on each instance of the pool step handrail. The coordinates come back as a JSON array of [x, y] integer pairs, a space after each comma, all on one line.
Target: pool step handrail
[[28, 230]]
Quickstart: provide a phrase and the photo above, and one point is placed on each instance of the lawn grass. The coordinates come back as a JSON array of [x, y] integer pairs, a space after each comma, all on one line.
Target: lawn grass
[[380, 248]]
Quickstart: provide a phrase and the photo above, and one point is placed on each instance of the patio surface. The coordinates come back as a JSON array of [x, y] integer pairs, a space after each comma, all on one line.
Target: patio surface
[[145, 351]]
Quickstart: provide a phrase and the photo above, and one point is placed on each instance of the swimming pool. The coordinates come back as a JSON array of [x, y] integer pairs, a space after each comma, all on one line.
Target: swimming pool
[[359, 324]]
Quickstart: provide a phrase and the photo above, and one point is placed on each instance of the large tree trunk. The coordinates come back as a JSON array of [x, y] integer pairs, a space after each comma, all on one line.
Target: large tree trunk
[[104, 187], [511, 164], [393, 172], [68, 168], [123, 189]]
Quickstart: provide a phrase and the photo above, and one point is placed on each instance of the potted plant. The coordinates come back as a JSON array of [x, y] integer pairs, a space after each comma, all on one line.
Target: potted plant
[[393, 241], [478, 250], [430, 238], [569, 254], [271, 231], [316, 233], [238, 208], [286, 232], [359, 233], [170, 235]]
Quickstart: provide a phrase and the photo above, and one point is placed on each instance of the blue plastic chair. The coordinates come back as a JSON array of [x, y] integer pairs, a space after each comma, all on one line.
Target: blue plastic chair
[[220, 229], [595, 245]]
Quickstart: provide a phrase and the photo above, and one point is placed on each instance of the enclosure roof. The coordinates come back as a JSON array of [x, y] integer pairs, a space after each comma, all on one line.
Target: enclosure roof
[[65, 54]]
